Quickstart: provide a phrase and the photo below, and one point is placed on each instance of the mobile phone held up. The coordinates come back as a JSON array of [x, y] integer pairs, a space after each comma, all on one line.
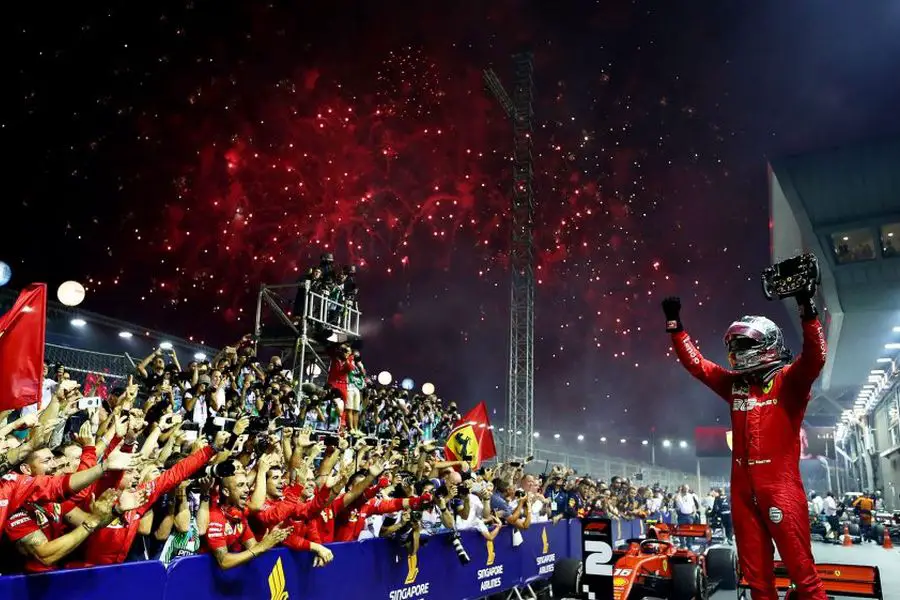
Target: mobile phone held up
[[89, 402]]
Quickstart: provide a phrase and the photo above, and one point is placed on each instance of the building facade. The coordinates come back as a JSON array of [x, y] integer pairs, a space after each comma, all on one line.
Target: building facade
[[843, 204]]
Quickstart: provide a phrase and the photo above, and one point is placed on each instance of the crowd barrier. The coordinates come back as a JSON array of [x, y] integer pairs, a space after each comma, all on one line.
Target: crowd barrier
[[368, 569]]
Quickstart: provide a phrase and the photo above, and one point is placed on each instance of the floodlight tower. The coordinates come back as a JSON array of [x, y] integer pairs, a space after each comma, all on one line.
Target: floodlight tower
[[520, 384]]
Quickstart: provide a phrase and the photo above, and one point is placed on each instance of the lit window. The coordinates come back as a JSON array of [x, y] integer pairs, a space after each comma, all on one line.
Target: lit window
[[890, 239], [853, 246]]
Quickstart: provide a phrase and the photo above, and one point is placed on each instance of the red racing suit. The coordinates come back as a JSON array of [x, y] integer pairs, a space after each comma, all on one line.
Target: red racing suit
[[768, 500]]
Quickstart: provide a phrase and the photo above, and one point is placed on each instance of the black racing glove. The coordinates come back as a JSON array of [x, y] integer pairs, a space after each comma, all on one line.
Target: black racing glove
[[807, 307], [672, 308]]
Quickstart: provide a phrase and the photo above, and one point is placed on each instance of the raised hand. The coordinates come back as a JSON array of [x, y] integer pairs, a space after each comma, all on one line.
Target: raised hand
[[85, 435], [275, 536], [132, 499], [121, 461], [102, 507], [672, 309]]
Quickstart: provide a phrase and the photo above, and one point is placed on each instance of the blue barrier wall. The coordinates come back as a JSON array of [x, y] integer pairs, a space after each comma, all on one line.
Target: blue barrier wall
[[369, 569]]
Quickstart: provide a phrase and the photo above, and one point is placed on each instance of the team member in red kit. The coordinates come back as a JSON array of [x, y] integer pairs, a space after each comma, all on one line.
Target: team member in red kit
[[350, 522], [110, 545], [322, 526], [15, 488], [339, 375], [39, 530], [272, 504], [768, 395], [228, 536]]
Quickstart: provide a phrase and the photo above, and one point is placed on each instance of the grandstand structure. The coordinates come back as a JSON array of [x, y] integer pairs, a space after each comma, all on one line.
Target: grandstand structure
[[87, 342]]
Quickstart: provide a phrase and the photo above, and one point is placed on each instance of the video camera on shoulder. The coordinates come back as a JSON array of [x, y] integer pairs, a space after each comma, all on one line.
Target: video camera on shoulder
[[795, 276]]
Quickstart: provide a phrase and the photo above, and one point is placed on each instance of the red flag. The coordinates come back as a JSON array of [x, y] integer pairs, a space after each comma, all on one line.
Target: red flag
[[22, 348], [472, 440]]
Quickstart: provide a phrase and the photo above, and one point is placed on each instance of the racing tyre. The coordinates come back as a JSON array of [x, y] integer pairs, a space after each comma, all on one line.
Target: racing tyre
[[853, 528], [876, 534], [566, 578], [688, 582], [721, 566]]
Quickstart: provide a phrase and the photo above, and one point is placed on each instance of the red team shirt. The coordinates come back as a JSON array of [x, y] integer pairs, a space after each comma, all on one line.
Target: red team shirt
[[47, 517], [228, 528], [111, 544]]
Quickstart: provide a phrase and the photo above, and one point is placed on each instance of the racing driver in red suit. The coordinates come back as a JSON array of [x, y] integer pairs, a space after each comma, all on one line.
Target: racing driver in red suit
[[768, 395]]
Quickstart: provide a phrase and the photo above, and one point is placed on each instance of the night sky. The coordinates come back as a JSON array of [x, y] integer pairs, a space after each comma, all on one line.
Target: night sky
[[175, 157]]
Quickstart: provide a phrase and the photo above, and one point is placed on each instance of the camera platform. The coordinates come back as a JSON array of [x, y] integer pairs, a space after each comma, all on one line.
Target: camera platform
[[297, 320]]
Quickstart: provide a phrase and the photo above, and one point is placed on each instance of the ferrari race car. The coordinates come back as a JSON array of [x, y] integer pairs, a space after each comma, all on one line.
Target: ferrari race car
[[839, 580], [884, 521], [675, 562]]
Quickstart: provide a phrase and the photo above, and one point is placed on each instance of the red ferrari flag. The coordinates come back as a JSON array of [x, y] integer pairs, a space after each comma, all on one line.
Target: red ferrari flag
[[472, 440], [22, 348]]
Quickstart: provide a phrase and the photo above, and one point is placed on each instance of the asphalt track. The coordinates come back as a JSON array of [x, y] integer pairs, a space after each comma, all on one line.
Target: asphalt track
[[888, 561]]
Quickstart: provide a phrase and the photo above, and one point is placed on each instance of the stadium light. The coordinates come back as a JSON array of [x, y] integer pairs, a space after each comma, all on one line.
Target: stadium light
[[603, 438], [555, 436], [519, 432], [580, 438], [199, 356], [165, 345], [126, 335], [682, 444], [622, 441], [892, 346], [876, 372], [537, 434], [644, 442], [896, 330], [884, 360], [78, 322], [408, 384], [428, 389], [385, 378], [667, 443]]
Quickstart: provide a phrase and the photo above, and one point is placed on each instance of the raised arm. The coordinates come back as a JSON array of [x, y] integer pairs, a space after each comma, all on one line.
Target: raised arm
[[802, 373], [716, 378]]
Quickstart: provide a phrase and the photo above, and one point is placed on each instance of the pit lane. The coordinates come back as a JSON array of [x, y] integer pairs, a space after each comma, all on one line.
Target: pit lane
[[888, 561]]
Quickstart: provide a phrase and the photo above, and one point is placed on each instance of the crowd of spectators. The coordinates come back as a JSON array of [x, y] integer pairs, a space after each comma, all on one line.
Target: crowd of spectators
[[231, 457]]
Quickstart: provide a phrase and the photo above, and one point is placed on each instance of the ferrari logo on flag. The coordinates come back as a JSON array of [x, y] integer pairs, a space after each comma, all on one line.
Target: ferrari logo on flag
[[471, 440], [463, 443]]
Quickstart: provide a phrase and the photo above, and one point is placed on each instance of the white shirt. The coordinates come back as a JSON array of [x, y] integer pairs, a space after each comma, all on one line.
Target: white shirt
[[654, 504], [686, 504], [818, 504], [830, 506], [474, 519]]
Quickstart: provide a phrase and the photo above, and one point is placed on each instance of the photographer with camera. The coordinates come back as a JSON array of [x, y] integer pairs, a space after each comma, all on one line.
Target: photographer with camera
[[768, 395]]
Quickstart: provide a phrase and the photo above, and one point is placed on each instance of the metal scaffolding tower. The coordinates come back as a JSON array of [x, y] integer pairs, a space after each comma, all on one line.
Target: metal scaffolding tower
[[520, 390], [303, 332]]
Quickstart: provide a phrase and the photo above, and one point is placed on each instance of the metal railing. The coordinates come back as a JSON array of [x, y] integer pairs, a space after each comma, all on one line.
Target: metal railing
[[85, 362]]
